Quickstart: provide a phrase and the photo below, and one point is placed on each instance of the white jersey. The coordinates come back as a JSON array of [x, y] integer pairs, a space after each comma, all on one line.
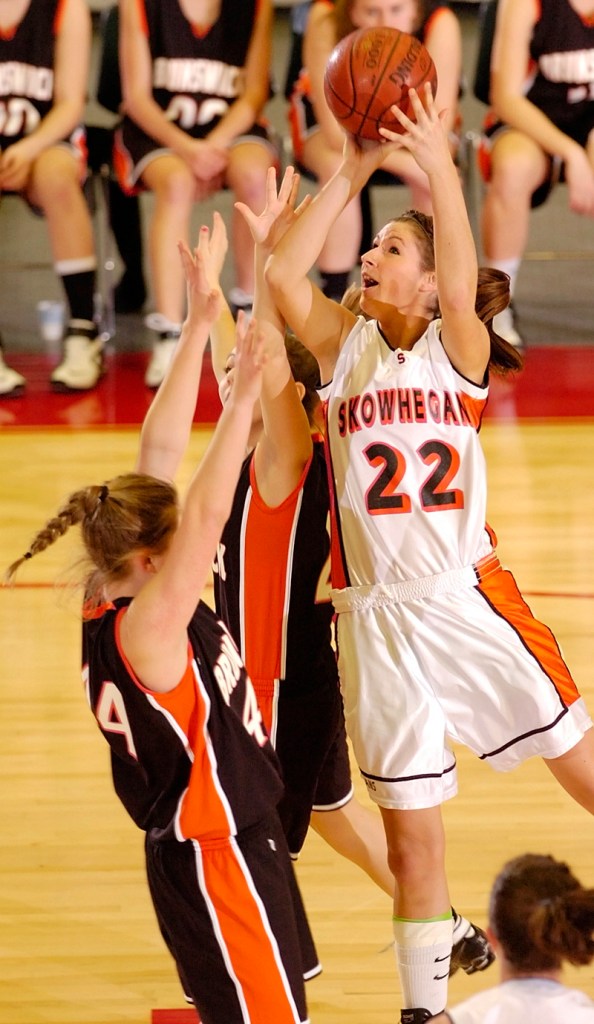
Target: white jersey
[[408, 469], [526, 1001]]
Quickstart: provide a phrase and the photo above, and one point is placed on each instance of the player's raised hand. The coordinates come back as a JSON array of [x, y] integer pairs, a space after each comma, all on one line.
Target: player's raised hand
[[361, 157], [268, 227], [425, 138], [213, 246], [202, 270]]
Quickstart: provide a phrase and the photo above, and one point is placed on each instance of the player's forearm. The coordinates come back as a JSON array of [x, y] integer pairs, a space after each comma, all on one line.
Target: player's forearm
[[298, 250], [58, 124], [168, 423], [455, 250]]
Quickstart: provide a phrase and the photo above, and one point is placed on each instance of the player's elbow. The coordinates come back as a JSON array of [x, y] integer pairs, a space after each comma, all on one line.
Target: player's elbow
[[277, 274]]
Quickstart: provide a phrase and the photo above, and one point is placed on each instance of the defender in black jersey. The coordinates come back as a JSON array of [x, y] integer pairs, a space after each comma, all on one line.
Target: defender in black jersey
[[191, 759]]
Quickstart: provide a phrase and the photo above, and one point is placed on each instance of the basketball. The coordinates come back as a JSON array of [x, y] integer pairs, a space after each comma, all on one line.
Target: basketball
[[369, 71]]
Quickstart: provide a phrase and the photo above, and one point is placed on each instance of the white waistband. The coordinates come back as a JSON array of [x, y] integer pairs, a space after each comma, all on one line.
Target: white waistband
[[378, 594]]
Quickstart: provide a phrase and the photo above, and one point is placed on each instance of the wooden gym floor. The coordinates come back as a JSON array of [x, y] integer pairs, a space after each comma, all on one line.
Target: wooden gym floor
[[79, 943]]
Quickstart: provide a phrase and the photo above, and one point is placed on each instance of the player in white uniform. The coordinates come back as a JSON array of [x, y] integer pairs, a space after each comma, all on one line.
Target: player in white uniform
[[435, 640], [540, 915]]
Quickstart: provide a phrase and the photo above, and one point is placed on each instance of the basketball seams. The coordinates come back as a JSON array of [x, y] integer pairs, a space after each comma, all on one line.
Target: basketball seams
[[371, 70], [381, 77]]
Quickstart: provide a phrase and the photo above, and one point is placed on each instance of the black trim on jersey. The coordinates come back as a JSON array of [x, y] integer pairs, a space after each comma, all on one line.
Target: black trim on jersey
[[335, 523]]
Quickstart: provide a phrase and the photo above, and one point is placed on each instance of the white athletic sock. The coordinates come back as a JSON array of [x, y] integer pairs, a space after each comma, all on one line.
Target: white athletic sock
[[77, 266], [509, 267], [423, 950]]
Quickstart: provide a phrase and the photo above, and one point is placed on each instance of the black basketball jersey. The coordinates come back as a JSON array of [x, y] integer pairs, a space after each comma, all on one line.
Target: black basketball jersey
[[198, 75], [562, 48], [26, 71], [271, 581], [191, 763]]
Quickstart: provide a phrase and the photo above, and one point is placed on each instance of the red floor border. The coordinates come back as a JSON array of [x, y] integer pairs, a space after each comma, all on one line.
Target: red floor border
[[556, 382]]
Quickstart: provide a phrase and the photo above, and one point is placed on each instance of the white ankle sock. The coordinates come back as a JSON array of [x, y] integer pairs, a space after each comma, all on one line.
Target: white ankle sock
[[423, 950]]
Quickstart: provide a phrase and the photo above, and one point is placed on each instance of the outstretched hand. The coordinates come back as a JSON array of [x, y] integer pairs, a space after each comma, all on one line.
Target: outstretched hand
[[268, 227], [425, 138], [202, 270]]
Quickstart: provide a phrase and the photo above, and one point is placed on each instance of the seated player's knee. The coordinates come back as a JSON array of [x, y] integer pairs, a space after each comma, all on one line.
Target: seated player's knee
[[55, 184]]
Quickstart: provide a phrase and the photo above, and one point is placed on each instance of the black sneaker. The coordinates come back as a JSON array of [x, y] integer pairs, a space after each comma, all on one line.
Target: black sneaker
[[473, 952], [417, 1016]]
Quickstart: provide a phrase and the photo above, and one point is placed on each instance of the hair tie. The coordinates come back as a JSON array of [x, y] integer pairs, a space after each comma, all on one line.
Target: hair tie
[[28, 554]]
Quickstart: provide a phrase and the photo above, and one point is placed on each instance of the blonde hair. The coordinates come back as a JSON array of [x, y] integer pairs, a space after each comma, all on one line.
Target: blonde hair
[[132, 512]]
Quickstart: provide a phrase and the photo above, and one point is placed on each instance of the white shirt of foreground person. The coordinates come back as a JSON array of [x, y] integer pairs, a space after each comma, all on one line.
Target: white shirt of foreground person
[[525, 1001]]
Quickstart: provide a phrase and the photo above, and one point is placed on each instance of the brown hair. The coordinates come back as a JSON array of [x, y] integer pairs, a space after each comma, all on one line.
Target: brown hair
[[541, 914], [492, 292], [492, 296], [305, 369], [132, 512]]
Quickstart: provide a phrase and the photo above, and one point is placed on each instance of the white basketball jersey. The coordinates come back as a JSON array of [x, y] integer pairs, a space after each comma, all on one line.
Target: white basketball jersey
[[407, 466], [526, 1001]]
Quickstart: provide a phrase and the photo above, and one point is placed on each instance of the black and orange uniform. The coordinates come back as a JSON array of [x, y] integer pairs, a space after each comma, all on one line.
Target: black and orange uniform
[[196, 76], [560, 82], [195, 770], [562, 49], [27, 75], [272, 590]]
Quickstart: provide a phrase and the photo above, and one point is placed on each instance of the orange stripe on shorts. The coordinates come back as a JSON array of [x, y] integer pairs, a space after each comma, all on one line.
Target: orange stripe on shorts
[[501, 590], [253, 958]]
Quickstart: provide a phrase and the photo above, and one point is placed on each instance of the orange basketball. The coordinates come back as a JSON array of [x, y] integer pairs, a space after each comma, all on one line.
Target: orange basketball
[[369, 71]]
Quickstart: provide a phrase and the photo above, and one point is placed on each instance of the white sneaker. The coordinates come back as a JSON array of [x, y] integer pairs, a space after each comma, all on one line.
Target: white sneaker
[[503, 324], [82, 364], [238, 299], [161, 357], [12, 384]]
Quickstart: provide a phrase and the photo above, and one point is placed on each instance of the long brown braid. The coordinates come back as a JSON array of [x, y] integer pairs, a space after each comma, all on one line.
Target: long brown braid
[[132, 512]]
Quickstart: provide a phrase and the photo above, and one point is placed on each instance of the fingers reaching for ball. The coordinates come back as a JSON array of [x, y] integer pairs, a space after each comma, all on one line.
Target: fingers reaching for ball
[[425, 136]]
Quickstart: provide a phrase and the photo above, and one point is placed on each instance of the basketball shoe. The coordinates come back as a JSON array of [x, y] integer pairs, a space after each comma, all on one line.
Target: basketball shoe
[[238, 299], [416, 1016], [12, 384], [82, 362], [471, 950], [163, 348], [504, 324]]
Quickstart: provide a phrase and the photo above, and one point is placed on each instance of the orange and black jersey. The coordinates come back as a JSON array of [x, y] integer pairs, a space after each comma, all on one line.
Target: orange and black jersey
[[197, 74], [562, 49], [272, 581], [26, 70], [193, 763]]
